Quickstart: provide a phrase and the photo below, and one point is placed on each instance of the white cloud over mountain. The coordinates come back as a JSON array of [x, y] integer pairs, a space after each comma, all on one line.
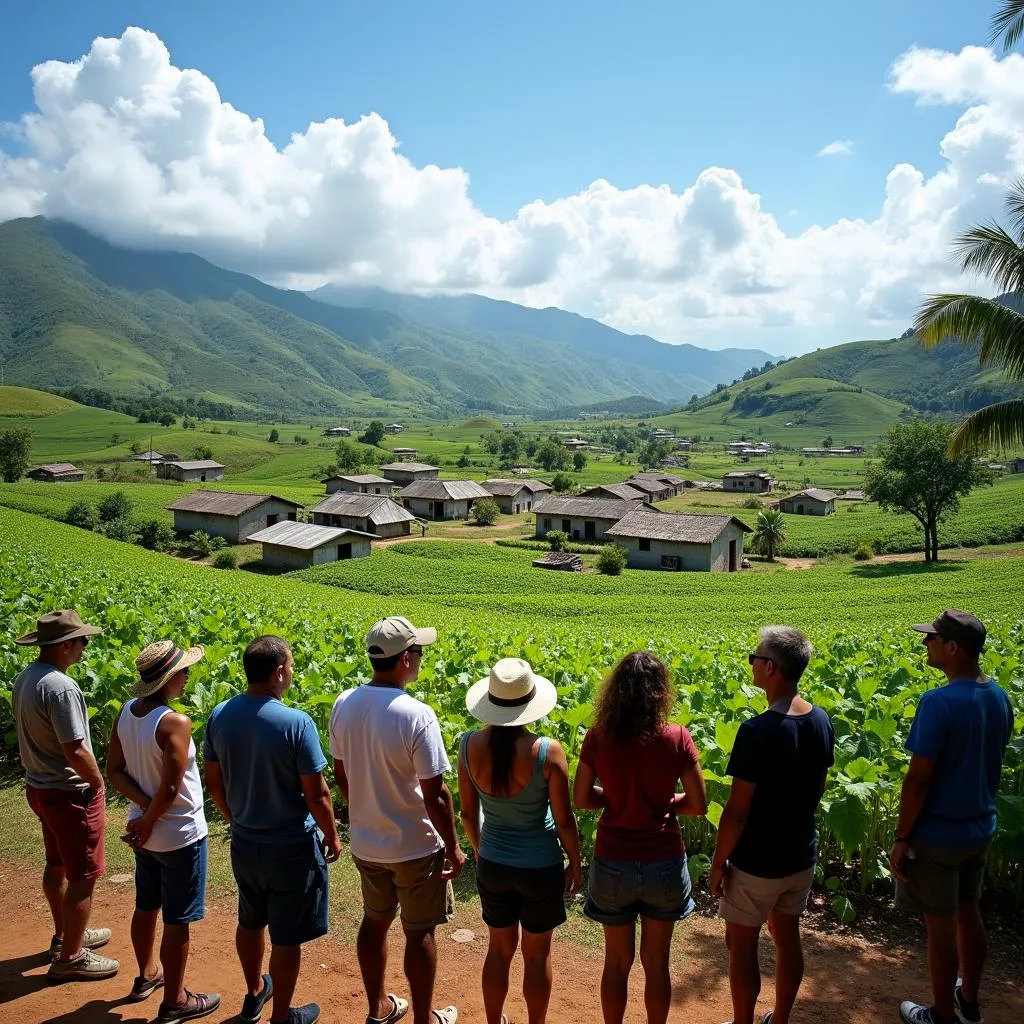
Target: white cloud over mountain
[[126, 144]]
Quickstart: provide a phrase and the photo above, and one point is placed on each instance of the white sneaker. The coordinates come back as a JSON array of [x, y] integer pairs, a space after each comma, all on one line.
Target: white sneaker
[[87, 966]]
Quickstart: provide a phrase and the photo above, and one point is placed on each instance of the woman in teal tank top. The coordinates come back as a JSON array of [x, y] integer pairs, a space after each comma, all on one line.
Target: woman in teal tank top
[[514, 790]]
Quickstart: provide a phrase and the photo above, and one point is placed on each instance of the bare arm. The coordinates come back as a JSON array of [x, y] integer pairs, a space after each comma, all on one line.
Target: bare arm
[[215, 787], [318, 799], [730, 828], [556, 771], [586, 794], [438, 803], [117, 770], [693, 801], [173, 735], [341, 779], [470, 800], [916, 786], [79, 758]]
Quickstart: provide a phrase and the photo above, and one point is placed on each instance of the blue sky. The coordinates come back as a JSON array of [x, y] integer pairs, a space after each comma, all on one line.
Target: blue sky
[[537, 100]]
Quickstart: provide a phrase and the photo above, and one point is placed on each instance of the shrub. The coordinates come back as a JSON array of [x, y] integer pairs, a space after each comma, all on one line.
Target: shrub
[[218, 543], [612, 560], [156, 535], [117, 529], [82, 515], [556, 539], [202, 451], [753, 502], [115, 506], [562, 482], [863, 552], [273, 436], [485, 512], [225, 559], [101, 473], [199, 544]]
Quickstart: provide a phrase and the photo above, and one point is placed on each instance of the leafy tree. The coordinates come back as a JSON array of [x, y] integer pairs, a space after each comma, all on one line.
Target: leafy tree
[[485, 512], [274, 436], [199, 543], [202, 451], [135, 448], [349, 457], [769, 532], [101, 473], [612, 560], [15, 445], [373, 434], [81, 514], [299, 439], [562, 482], [156, 535], [190, 424], [115, 506], [118, 529], [510, 449], [167, 419], [579, 462], [915, 473], [827, 443], [115, 440], [654, 453], [463, 462], [551, 455], [1008, 24], [556, 539]]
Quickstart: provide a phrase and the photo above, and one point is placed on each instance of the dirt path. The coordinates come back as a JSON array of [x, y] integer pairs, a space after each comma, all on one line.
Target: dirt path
[[848, 980]]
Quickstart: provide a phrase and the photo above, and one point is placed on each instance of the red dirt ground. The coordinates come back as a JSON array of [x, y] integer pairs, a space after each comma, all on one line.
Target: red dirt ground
[[848, 979]]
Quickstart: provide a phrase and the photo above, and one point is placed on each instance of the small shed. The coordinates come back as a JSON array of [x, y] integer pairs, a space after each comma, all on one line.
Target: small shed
[[337, 432], [678, 541], [371, 513], [302, 545], [562, 560], [582, 518], [196, 471], [57, 473], [752, 481], [404, 473], [231, 515], [851, 496], [514, 496], [394, 428], [575, 444], [442, 499], [150, 456], [362, 483], [624, 492], [813, 501], [404, 453]]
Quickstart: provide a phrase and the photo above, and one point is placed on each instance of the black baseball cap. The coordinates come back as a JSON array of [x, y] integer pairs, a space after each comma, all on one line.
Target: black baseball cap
[[962, 627]]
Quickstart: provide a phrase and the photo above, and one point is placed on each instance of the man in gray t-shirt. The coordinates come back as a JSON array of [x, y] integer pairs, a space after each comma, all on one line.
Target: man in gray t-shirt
[[65, 789]]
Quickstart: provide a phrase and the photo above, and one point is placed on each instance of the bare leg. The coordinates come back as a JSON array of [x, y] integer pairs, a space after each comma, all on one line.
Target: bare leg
[[744, 970], [972, 947], [173, 957], [501, 948], [655, 944], [284, 972], [250, 944], [789, 963], [536, 976], [420, 969], [372, 953], [942, 961], [144, 941], [76, 909], [54, 885], [619, 954]]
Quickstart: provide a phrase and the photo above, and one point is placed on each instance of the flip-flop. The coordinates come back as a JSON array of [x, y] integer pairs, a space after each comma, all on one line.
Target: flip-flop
[[449, 1015], [399, 1008], [143, 988]]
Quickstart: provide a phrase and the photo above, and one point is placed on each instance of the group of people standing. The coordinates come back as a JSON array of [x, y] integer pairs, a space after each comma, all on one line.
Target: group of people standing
[[265, 773]]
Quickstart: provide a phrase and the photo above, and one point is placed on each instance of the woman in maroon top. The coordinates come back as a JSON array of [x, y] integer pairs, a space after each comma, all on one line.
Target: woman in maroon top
[[631, 761]]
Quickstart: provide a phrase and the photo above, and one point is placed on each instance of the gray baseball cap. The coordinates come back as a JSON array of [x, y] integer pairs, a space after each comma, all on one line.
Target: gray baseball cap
[[395, 634]]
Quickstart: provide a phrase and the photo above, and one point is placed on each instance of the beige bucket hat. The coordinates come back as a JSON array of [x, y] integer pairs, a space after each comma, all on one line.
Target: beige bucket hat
[[513, 694], [56, 627], [159, 661]]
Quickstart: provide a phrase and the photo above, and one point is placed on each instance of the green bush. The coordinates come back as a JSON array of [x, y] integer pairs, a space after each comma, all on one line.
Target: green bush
[[556, 540], [118, 529], [115, 506], [612, 560], [156, 535], [225, 559], [863, 552], [199, 544], [82, 514], [485, 512], [218, 544], [753, 502]]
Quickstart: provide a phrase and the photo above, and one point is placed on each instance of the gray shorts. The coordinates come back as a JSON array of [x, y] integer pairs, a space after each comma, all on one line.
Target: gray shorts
[[940, 878], [749, 899]]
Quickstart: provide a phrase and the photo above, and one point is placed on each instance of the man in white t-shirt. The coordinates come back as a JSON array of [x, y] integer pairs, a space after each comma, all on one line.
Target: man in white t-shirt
[[389, 763]]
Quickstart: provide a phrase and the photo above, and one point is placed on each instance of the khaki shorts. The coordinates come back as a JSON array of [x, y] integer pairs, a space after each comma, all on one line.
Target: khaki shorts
[[416, 886], [749, 899], [940, 878]]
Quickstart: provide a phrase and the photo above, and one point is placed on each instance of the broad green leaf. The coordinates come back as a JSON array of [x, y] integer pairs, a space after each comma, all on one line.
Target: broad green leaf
[[843, 909]]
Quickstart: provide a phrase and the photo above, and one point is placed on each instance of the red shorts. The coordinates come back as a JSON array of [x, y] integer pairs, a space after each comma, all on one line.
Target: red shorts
[[73, 831]]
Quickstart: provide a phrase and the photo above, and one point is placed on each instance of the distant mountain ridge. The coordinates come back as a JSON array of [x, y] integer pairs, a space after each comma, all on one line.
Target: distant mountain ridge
[[77, 310]]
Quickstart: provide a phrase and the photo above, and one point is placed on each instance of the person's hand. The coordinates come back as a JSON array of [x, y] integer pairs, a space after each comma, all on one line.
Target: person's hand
[[898, 859], [137, 833], [573, 878], [331, 848], [454, 862], [717, 878]]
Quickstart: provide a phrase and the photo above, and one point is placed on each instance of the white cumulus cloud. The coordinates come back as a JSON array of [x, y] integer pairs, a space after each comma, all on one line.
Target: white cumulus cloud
[[147, 154], [841, 147]]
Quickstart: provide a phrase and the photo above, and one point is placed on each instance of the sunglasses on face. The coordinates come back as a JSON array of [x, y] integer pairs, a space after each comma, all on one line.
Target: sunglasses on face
[[418, 651], [753, 656], [83, 640]]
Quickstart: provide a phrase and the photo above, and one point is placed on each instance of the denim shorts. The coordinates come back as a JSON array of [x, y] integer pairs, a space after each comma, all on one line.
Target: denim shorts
[[283, 885], [619, 891], [174, 882]]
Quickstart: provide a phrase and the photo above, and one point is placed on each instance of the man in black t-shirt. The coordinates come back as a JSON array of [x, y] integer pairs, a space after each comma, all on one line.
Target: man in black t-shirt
[[767, 844]]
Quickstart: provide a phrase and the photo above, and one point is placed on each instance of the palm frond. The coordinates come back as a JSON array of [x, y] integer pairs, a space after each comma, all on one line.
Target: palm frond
[[1008, 24], [1014, 204], [999, 426], [973, 320], [989, 250]]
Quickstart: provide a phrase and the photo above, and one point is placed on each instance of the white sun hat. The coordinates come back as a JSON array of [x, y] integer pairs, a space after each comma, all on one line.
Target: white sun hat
[[513, 694]]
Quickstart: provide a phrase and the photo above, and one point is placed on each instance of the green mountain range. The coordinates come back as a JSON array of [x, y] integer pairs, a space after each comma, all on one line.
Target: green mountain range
[[78, 311]]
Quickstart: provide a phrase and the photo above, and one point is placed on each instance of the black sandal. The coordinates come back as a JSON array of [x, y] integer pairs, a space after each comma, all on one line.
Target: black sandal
[[143, 988], [196, 1005]]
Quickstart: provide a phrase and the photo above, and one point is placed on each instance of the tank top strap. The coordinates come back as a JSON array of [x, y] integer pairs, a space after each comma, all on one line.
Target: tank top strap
[[464, 753], [542, 754]]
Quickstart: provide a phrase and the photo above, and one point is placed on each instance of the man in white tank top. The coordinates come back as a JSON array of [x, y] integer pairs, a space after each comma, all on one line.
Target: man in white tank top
[[152, 762]]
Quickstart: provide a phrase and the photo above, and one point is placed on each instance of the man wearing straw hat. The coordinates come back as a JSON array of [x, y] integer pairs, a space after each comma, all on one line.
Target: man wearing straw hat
[[65, 790], [389, 763]]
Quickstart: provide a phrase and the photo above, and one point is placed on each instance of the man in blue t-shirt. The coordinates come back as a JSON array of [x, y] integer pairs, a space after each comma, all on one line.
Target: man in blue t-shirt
[[767, 846], [948, 815], [264, 771]]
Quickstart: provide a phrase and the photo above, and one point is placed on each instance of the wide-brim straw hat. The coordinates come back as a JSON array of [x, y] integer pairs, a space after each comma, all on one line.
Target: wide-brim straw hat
[[159, 661], [56, 627], [513, 694]]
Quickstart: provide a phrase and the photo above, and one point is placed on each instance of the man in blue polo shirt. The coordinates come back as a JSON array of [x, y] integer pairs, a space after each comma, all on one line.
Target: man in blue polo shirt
[[948, 815]]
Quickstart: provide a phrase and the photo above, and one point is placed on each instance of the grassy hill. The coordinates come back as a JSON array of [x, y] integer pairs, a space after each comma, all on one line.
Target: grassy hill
[[25, 402]]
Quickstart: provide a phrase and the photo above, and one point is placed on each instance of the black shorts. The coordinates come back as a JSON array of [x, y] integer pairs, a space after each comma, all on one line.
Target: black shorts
[[531, 897]]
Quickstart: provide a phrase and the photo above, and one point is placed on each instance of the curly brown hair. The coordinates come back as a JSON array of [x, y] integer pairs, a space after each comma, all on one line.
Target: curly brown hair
[[635, 699]]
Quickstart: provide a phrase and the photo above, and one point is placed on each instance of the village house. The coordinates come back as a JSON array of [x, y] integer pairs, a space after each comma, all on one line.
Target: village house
[[623, 491], [231, 515], [657, 486], [581, 518], [813, 501], [303, 545], [150, 456], [197, 471], [394, 428], [371, 513], [442, 499], [750, 481], [57, 473], [362, 483], [404, 453], [668, 540], [515, 496], [575, 444], [338, 432], [404, 473], [851, 496], [1015, 465]]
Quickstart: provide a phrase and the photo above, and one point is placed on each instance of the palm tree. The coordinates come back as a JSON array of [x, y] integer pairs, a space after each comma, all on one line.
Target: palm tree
[[769, 532], [1008, 24], [998, 254]]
